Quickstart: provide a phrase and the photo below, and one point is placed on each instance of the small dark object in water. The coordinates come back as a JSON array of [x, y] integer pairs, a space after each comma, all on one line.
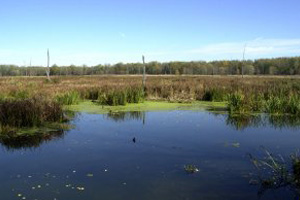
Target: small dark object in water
[[133, 140]]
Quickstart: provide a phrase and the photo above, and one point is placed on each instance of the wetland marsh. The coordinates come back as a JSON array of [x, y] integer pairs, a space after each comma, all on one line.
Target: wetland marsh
[[71, 144]]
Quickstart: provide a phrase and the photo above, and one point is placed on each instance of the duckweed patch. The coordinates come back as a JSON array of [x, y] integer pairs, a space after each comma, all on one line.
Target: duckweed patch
[[91, 107]]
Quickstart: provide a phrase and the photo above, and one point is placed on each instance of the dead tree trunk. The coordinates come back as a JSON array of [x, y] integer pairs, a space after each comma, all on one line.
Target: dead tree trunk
[[144, 74], [243, 63], [48, 67]]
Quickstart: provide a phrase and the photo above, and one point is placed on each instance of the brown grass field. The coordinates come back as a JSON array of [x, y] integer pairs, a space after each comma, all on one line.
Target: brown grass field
[[160, 87]]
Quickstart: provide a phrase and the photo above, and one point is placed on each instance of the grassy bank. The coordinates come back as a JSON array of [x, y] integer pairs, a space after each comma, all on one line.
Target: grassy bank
[[21, 119], [249, 94], [239, 103]]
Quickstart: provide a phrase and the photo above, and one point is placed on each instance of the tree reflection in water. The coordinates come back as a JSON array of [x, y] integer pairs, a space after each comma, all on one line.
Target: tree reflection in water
[[15, 140], [241, 122], [126, 116], [30, 141]]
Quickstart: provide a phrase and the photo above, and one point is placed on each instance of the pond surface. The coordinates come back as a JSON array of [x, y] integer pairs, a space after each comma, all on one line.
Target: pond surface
[[142, 156]]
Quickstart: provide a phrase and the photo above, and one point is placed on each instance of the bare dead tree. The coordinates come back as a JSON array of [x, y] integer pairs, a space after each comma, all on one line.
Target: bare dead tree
[[30, 68], [243, 63], [144, 73], [48, 67], [25, 67]]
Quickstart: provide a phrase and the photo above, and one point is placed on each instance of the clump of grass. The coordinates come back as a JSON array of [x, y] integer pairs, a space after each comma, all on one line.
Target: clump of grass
[[29, 112], [293, 105], [113, 98], [275, 172], [256, 102], [275, 105], [68, 98], [283, 105], [237, 103], [20, 94], [135, 95], [121, 97], [90, 93]]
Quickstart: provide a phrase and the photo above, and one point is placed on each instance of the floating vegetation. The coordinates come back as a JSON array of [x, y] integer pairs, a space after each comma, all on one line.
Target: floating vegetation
[[234, 144], [47, 184], [80, 188], [190, 169], [275, 172]]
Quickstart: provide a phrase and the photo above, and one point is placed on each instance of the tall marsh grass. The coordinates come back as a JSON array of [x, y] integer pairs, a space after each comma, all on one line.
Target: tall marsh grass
[[263, 94], [240, 103], [121, 97], [237, 103], [68, 98], [29, 112]]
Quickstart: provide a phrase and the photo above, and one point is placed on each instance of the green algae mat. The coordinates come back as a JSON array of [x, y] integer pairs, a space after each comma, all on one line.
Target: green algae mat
[[91, 107]]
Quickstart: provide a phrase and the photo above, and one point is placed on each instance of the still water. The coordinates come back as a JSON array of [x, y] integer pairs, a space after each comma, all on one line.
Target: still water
[[142, 156]]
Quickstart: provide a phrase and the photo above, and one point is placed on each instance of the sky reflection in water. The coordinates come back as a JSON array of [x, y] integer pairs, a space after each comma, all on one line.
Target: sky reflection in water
[[100, 160]]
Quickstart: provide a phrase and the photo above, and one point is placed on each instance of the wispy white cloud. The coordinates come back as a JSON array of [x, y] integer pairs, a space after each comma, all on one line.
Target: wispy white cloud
[[259, 47]]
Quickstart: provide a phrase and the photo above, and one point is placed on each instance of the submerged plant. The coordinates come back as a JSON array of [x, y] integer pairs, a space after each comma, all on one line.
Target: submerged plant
[[276, 172]]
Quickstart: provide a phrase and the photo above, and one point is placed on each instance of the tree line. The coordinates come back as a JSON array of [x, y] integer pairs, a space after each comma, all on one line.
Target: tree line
[[274, 66]]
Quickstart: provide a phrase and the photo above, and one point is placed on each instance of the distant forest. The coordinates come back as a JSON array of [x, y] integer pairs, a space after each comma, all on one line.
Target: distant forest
[[274, 66]]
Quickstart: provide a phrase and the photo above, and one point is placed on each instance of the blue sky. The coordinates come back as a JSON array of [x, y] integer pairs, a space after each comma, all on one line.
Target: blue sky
[[97, 32]]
